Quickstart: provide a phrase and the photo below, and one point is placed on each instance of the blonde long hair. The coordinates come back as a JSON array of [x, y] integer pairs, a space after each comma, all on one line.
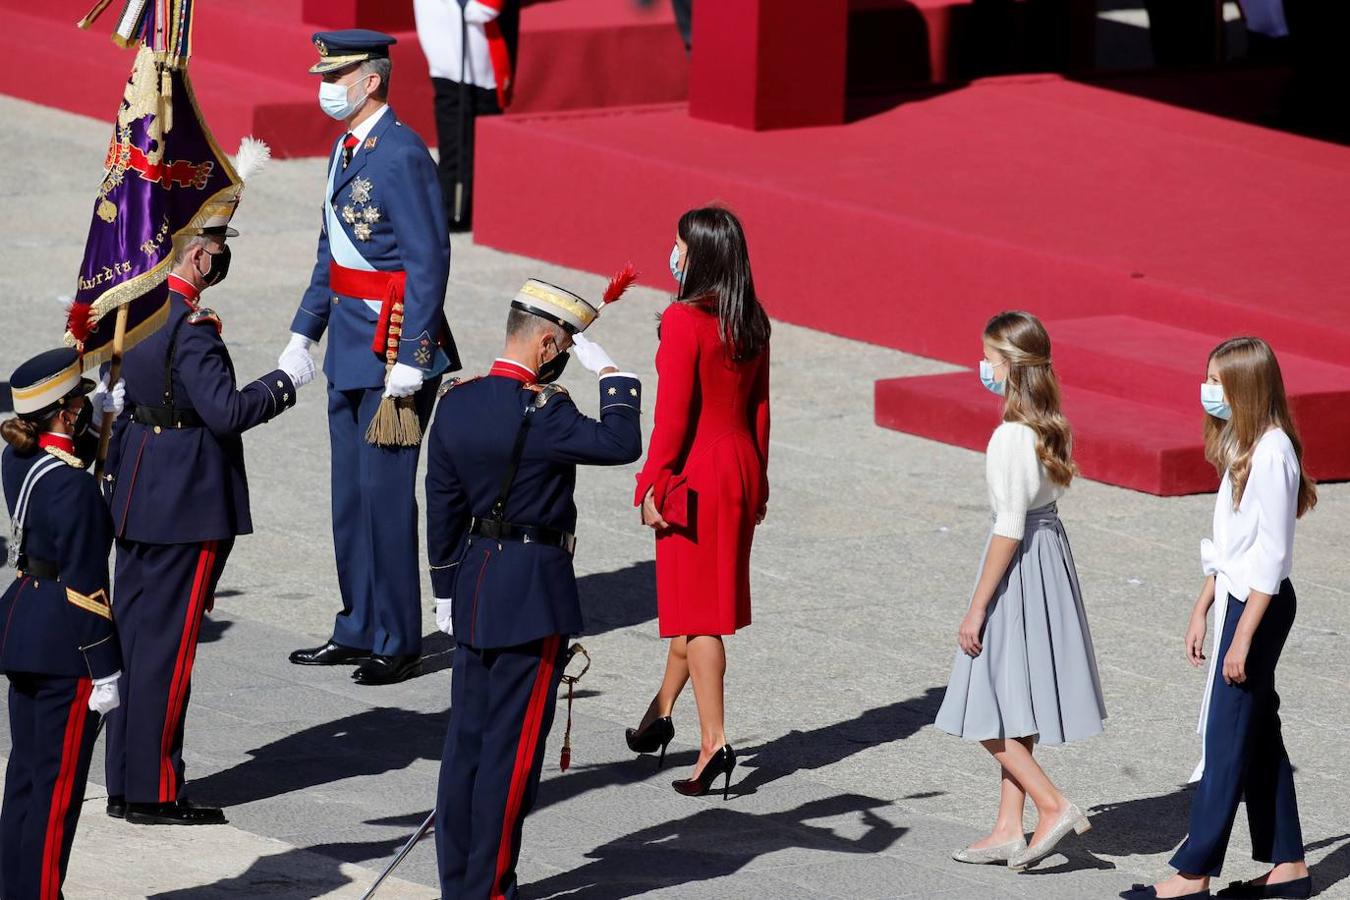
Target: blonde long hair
[[1031, 390], [1254, 389]]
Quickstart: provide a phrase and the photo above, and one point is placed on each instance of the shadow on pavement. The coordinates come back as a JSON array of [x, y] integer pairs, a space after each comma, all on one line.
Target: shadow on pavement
[[614, 600], [1140, 827], [345, 748], [714, 843], [1331, 869]]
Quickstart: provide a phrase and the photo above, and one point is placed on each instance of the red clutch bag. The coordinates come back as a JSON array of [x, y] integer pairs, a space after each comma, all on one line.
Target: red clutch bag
[[676, 508]]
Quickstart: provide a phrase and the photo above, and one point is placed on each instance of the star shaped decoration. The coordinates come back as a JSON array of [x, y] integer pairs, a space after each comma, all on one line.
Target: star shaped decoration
[[349, 215], [362, 231], [633, 391], [361, 188], [371, 214], [613, 391]]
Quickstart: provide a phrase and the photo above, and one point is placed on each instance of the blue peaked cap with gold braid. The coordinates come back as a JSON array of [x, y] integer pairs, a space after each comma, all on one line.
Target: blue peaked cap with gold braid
[[339, 49]]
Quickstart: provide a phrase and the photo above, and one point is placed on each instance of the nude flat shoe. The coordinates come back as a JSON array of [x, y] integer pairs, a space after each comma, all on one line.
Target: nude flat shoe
[[986, 855], [1072, 819]]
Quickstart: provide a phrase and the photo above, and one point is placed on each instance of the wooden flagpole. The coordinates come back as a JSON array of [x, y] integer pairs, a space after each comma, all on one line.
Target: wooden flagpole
[[114, 373]]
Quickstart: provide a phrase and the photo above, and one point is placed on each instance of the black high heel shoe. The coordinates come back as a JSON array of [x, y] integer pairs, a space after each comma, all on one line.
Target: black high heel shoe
[[722, 763], [657, 734]]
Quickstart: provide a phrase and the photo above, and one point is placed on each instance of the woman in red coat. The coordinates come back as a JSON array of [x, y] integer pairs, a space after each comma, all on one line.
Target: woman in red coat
[[704, 486]]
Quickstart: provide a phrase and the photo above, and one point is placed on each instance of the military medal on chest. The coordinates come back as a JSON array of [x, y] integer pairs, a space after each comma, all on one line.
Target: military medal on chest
[[360, 213]]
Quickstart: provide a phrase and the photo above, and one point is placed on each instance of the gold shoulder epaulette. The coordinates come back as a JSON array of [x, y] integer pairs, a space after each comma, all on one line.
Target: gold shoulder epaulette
[[69, 459], [453, 383], [204, 316], [546, 392]]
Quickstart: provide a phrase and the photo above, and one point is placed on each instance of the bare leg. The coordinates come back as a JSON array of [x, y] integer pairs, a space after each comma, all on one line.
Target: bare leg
[[672, 683], [1015, 756], [708, 667], [1011, 803]]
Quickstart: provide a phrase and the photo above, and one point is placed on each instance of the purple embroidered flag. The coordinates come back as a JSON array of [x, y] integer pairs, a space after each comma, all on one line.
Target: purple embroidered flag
[[164, 177]]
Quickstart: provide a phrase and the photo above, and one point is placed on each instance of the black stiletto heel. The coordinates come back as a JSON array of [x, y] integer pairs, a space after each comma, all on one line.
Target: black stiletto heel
[[723, 762], [656, 736]]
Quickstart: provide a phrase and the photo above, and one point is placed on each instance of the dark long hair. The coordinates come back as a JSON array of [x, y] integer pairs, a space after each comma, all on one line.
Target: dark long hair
[[717, 277]]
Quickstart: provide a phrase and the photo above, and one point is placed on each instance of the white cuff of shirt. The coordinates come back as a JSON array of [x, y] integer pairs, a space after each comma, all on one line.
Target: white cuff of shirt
[[109, 679], [619, 375]]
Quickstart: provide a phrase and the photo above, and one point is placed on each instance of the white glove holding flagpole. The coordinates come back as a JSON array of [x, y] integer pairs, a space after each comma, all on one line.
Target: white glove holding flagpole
[[111, 402], [445, 619]]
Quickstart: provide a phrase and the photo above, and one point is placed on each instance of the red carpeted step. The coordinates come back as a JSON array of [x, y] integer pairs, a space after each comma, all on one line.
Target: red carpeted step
[[1118, 441]]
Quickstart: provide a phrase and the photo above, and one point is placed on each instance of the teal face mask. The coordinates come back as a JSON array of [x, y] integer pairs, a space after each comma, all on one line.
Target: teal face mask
[[1212, 399], [987, 378]]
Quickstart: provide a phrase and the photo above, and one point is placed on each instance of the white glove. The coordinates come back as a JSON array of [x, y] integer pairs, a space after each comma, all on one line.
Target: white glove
[[106, 401], [445, 620], [591, 355], [300, 341], [476, 13], [298, 364], [403, 381], [104, 699]]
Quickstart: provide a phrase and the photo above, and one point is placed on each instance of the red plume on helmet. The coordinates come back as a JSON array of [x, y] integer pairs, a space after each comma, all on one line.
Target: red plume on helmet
[[622, 280]]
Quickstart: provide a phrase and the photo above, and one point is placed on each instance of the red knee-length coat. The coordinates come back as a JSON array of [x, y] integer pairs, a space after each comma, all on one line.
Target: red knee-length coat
[[707, 465]]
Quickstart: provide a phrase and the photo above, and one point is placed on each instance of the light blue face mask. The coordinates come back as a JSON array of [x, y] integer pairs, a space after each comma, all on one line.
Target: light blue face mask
[[1211, 398], [987, 378], [675, 269]]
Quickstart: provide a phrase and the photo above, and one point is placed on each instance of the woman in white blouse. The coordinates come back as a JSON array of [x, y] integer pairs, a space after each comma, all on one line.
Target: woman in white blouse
[[1251, 440], [1025, 671]]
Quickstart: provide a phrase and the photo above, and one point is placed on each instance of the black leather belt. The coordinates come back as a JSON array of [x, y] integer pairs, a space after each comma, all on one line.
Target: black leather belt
[[498, 530], [39, 568], [166, 417]]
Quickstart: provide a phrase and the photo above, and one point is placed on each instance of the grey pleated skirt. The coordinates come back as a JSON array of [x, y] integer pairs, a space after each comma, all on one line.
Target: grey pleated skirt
[[1036, 673]]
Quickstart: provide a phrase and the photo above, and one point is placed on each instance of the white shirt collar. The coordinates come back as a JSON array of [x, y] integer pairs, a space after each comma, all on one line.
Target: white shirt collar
[[362, 131]]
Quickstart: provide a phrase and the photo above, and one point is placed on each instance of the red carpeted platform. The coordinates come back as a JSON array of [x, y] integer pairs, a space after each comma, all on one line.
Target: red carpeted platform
[[250, 59], [1142, 233]]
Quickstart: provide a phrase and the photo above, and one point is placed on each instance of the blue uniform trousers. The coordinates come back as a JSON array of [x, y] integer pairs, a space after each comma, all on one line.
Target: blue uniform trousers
[[52, 736], [375, 526], [1245, 755], [501, 709], [160, 593]]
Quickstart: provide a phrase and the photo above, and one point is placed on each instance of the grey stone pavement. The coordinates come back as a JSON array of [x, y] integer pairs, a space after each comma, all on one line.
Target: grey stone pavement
[[861, 574]]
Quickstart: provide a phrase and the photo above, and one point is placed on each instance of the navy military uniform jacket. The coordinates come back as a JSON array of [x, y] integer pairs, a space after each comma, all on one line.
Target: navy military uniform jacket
[[509, 592], [383, 212], [187, 485], [60, 627]]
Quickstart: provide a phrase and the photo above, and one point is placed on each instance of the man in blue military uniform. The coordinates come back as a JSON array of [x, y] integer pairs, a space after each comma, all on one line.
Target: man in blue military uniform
[[179, 497], [501, 469], [378, 290], [57, 645]]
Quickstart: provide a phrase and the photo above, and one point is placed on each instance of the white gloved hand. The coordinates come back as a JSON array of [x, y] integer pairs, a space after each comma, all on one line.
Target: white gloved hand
[[476, 13], [445, 620], [591, 355], [298, 364], [402, 381], [104, 699], [106, 401], [299, 341]]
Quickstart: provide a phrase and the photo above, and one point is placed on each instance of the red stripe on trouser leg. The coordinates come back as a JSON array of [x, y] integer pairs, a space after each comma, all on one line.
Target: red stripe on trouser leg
[[182, 671], [525, 752], [64, 788]]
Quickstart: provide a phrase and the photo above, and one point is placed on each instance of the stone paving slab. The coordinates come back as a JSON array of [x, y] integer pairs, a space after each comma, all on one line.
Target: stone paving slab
[[860, 575]]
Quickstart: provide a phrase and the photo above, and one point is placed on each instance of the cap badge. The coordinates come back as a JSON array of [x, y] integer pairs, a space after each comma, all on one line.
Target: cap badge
[[321, 47]]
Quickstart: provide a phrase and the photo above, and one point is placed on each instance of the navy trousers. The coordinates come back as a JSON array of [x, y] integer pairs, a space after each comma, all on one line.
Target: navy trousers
[[501, 708], [1245, 755], [375, 527], [160, 593], [52, 736]]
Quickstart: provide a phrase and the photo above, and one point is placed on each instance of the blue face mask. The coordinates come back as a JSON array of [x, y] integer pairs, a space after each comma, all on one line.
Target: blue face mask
[[1211, 398], [675, 269], [987, 378]]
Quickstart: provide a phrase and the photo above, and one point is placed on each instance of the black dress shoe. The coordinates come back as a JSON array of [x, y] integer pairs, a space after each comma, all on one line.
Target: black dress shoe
[[1298, 889], [180, 813], [387, 669], [117, 806], [330, 654], [1149, 892]]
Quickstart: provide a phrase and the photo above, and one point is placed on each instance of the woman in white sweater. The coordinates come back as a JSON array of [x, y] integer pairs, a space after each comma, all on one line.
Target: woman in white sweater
[[1025, 671], [1251, 440]]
